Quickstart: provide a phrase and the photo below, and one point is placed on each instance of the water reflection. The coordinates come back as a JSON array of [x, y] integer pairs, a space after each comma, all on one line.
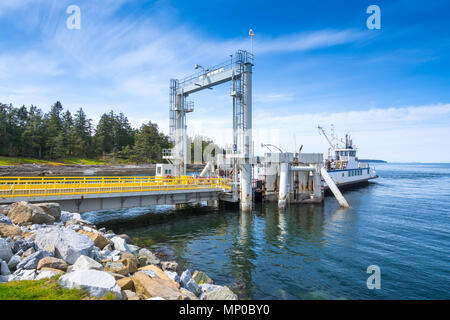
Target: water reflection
[[242, 255], [312, 251]]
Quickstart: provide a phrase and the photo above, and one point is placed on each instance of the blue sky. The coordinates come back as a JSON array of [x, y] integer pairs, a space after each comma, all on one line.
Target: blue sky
[[315, 63]]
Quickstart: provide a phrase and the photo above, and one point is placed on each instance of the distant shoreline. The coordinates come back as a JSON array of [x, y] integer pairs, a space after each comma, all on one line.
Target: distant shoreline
[[374, 161]]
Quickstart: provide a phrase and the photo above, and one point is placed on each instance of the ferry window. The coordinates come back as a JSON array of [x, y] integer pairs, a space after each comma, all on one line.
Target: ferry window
[[343, 173], [158, 170]]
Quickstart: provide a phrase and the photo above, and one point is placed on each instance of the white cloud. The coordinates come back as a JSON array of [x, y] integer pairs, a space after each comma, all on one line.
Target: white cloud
[[131, 59], [272, 97], [129, 62], [9, 5], [416, 133], [307, 41]]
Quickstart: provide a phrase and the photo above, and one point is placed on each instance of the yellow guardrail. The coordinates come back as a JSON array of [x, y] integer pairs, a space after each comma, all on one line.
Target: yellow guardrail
[[14, 187]]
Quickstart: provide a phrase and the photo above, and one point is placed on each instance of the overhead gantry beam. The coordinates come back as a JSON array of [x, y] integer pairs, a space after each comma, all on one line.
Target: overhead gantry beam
[[238, 70]]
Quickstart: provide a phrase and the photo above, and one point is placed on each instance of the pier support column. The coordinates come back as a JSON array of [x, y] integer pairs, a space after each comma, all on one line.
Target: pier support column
[[318, 194], [284, 181], [213, 203], [246, 163], [246, 200]]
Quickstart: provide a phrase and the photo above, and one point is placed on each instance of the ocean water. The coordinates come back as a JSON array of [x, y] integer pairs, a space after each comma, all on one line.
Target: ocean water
[[400, 222]]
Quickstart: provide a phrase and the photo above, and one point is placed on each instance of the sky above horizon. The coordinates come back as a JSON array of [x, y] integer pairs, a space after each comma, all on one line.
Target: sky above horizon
[[316, 63]]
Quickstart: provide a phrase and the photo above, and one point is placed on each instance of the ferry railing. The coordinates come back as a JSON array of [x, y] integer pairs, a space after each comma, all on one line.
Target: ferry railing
[[14, 187]]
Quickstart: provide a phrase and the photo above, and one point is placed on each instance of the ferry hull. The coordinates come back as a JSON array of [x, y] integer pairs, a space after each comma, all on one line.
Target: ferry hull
[[346, 179]]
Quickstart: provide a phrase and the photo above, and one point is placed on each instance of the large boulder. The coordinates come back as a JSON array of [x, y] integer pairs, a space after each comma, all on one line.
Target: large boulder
[[96, 283], [23, 274], [99, 240], [23, 213], [51, 208], [4, 208], [120, 244], [4, 219], [32, 261], [28, 252], [173, 275], [215, 292], [52, 262], [5, 250], [86, 263], [160, 274], [188, 283], [117, 267], [126, 237], [4, 269], [12, 263], [46, 274], [24, 245], [68, 244], [201, 278], [187, 295], [129, 260], [169, 266], [9, 230], [130, 295], [55, 271], [155, 287], [146, 257], [67, 216], [126, 283]]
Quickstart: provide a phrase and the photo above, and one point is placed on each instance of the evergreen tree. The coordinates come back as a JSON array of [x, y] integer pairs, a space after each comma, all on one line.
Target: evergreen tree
[[67, 133], [56, 134], [82, 135], [34, 134], [53, 126], [149, 144]]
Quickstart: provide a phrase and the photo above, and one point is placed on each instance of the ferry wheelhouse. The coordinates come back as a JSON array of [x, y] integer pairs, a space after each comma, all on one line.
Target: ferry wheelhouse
[[346, 169]]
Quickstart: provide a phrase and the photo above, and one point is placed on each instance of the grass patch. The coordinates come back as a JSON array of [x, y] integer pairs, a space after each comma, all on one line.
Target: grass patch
[[46, 289], [83, 161], [13, 161]]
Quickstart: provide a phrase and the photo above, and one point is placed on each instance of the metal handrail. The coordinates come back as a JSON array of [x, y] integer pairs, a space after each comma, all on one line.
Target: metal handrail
[[13, 187]]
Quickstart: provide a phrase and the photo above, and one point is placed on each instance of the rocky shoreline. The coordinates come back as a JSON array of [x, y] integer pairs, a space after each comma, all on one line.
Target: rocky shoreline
[[39, 241], [45, 170]]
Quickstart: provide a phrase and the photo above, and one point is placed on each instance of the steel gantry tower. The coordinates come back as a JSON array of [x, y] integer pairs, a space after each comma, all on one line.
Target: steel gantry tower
[[238, 70]]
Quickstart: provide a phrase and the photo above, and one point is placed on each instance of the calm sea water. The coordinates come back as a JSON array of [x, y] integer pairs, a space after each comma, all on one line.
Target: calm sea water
[[401, 223]]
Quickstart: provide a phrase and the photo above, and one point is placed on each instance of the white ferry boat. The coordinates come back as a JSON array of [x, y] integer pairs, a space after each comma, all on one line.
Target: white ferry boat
[[345, 168]]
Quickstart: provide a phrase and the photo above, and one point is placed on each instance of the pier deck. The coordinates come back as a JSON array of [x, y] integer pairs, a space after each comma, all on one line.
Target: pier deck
[[99, 193]]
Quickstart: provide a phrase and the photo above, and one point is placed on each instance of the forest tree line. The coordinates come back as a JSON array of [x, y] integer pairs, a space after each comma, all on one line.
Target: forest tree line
[[31, 133]]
